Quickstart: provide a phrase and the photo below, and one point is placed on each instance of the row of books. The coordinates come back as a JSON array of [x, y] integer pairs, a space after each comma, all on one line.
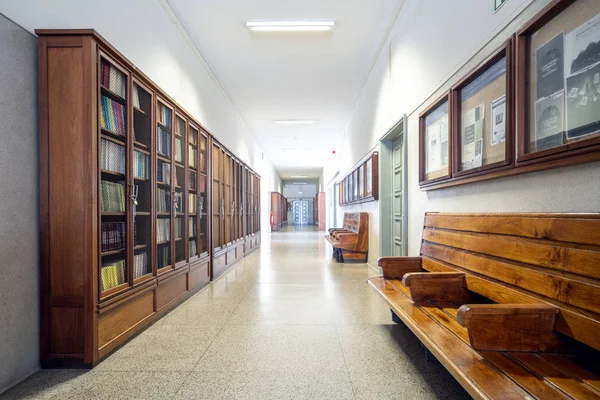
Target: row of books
[[180, 127], [136, 97], [163, 172], [113, 196], [163, 228], [112, 156], [192, 154], [140, 265], [163, 200], [112, 274], [112, 117], [163, 144], [192, 226], [193, 250], [113, 236], [163, 114], [178, 228], [141, 166], [178, 150], [193, 178], [113, 79], [193, 203], [193, 137], [163, 257]]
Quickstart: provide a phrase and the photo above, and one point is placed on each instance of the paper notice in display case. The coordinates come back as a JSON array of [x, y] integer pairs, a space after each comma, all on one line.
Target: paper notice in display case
[[434, 147], [582, 69], [472, 137], [549, 121], [498, 128]]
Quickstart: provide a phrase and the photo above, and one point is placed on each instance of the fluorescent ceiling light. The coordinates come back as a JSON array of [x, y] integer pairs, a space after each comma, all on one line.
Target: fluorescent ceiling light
[[295, 121], [299, 176], [290, 26]]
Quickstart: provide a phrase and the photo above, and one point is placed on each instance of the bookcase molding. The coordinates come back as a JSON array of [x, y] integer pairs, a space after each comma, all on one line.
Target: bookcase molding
[[105, 275]]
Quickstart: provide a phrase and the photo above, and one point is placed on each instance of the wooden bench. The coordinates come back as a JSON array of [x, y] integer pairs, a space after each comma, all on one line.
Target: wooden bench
[[508, 303], [351, 242]]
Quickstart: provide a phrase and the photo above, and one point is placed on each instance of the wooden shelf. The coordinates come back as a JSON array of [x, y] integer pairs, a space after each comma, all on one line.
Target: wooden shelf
[[114, 96], [139, 110], [163, 125], [113, 137], [113, 213], [163, 243], [163, 158], [112, 173], [141, 147], [179, 164], [142, 213], [141, 179], [112, 252], [163, 214], [163, 184], [140, 247]]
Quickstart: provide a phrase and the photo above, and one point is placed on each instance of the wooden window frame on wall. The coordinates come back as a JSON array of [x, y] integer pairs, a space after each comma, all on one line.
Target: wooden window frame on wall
[[506, 50], [569, 154], [422, 136], [349, 192]]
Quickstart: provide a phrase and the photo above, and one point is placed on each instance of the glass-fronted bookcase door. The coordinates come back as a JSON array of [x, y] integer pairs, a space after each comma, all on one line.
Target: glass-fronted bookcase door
[[164, 187], [218, 204], [181, 191], [115, 143], [197, 193], [143, 169]]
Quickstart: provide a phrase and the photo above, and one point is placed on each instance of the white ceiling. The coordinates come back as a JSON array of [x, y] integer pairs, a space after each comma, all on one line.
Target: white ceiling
[[271, 76]]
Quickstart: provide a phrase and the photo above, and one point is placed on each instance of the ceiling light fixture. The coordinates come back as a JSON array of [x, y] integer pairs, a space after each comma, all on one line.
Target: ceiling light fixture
[[295, 121], [299, 176], [290, 26]]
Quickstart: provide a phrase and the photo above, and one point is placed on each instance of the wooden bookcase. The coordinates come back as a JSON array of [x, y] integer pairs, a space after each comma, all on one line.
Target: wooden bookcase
[[126, 182], [279, 210], [319, 211]]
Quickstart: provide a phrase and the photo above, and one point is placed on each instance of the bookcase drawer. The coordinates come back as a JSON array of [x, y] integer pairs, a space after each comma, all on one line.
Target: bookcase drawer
[[119, 320], [198, 275], [170, 290]]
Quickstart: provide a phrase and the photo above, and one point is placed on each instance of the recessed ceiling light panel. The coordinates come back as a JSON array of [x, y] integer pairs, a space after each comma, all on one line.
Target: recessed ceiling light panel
[[290, 26], [295, 121]]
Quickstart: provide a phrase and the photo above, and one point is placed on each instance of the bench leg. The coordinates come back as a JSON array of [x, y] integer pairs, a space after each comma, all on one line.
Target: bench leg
[[395, 318], [429, 355]]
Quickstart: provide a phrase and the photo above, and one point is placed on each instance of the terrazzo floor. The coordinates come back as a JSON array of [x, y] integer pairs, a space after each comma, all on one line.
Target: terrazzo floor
[[287, 322]]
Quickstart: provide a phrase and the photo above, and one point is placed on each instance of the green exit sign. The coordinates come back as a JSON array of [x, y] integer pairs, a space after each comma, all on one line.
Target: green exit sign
[[498, 4]]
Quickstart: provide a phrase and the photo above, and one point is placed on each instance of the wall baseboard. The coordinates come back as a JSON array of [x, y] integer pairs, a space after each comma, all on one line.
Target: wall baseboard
[[11, 385]]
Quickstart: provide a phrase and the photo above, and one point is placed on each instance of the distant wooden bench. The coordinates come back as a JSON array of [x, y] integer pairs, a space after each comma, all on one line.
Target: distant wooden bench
[[351, 242], [508, 303]]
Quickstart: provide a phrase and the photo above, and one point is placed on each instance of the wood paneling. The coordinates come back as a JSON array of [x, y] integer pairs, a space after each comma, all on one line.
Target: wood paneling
[[119, 320], [199, 274], [66, 323], [170, 290]]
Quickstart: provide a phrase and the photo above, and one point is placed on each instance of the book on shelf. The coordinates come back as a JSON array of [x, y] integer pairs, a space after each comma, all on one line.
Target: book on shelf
[[163, 230], [163, 172], [163, 256], [178, 149], [202, 186], [113, 79], [193, 202], [178, 228], [164, 115], [140, 265], [202, 162], [112, 116], [193, 178], [193, 251], [113, 236], [112, 274], [112, 156], [192, 153], [192, 226], [163, 141], [136, 96], [141, 167], [163, 200], [112, 196]]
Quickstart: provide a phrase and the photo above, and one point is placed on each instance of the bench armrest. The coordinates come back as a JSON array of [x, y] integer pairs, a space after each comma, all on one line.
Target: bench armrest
[[396, 267], [437, 286], [511, 327]]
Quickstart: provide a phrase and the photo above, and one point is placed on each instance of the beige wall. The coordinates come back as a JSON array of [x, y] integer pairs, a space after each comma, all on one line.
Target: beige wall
[[425, 55]]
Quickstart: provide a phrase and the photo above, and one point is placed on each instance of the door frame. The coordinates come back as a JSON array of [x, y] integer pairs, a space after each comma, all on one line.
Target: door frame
[[386, 195]]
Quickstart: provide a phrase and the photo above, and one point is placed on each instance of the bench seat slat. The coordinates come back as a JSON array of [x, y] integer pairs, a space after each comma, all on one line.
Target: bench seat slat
[[573, 387], [565, 289], [575, 228], [577, 261], [479, 378], [574, 369]]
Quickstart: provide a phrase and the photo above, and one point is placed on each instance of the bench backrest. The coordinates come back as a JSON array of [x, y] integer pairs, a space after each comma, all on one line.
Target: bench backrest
[[352, 221], [524, 258]]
